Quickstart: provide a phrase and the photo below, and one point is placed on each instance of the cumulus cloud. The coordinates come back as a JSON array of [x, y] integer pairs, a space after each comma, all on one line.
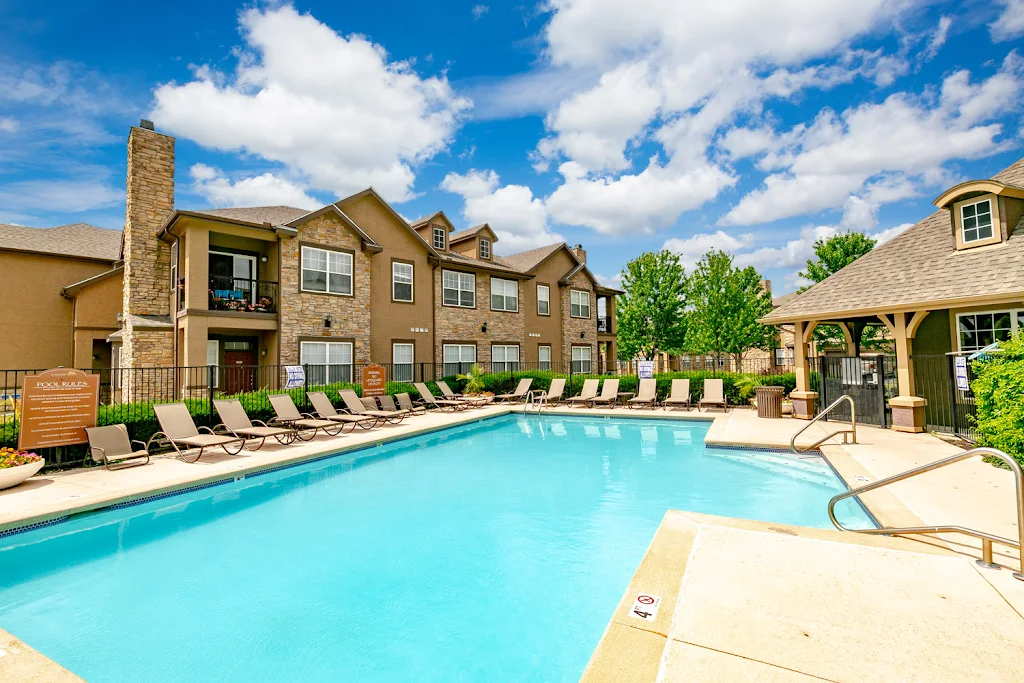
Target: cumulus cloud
[[1010, 23], [8, 124], [263, 190], [820, 166], [479, 10], [938, 37], [330, 108], [691, 249], [519, 219]]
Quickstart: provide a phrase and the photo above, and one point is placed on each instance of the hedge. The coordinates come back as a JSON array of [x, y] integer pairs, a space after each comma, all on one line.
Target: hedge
[[998, 388]]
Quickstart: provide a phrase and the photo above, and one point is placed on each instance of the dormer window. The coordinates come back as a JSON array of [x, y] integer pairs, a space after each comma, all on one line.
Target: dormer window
[[485, 249], [976, 221], [438, 237]]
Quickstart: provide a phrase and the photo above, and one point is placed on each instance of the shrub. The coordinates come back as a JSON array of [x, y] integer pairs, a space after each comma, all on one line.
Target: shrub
[[998, 388]]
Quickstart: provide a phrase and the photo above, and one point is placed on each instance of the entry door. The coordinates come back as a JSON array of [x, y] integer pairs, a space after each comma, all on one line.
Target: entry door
[[240, 371]]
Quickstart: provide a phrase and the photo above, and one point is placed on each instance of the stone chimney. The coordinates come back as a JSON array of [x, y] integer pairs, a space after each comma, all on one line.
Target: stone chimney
[[150, 201], [580, 252]]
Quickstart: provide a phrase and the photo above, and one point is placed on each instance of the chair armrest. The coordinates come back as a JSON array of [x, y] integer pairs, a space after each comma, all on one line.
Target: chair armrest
[[261, 423], [138, 442], [210, 430], [308, 416], [97, 448], [153, 438]]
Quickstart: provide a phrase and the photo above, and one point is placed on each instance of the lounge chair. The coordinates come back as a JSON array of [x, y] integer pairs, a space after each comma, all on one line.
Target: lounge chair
[[387, 405], [325, 410], [519, 394], [452, 396], [288, 414], [111, 446], [405, 403], [609, 394], [442, 404], [179, 429], [679, 395], [357, 407], [647, 394], [554, 393], [587, 394], [714, 395], [237, 423]]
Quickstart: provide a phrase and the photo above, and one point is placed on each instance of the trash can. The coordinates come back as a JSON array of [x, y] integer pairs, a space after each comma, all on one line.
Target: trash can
[[769, 401]]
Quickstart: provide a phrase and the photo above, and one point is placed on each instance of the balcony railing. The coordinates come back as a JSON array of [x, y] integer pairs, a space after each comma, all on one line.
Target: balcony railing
[[241, 294], [604, 324]]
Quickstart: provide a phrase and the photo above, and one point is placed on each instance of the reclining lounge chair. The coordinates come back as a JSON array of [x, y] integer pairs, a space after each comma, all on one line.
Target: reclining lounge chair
[[111, 446], [237, 423], [587, 394], [647, 394], [679, 395], [325, 410], [179, 430], [303, 423]]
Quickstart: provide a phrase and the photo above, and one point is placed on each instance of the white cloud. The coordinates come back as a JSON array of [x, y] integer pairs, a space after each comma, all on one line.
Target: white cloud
[[883, 236], [820, 166], [8, 124], [330, 108], [691, 249], [634, 203], [1010, 23], [266, 189], [938, 37], [58, 195], [609, 281], [519, 219], [479, 10]]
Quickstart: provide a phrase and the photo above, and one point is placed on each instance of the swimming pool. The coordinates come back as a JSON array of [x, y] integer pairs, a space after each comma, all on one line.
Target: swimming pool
[[494, 551]]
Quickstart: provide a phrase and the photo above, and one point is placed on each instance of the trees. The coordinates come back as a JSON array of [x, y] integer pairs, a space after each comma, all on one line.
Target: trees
[[725, 303], [651, 316], [830, 256]]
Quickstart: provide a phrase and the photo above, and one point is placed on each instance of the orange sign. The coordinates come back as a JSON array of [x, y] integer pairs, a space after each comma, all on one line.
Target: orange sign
[[56, 407], [375, 380]]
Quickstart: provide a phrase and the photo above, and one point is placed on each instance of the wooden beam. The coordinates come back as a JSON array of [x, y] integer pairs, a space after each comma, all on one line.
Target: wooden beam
[[808, 330], [848, 335], [915, 323], [889, 326]]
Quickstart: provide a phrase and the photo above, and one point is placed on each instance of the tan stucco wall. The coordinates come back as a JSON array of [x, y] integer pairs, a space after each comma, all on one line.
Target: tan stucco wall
[[393, 321], [98, 304], [36, 322], [549, 327]]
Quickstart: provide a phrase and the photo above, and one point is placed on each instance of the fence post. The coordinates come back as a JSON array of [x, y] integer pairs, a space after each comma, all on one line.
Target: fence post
[[305, 385], [211, 375]]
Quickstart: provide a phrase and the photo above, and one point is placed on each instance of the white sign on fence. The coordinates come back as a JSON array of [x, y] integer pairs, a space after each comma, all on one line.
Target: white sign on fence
[[296, 377], [960, 371], [645, 369]]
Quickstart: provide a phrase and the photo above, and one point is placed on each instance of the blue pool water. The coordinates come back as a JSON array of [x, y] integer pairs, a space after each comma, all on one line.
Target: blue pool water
[[495, 551]]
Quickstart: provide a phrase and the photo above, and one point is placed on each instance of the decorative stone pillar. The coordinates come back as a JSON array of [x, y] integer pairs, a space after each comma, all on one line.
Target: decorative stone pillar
[[907, 409], [908, 413]]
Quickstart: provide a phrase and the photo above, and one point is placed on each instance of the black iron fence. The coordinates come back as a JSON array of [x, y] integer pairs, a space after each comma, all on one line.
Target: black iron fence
[[869, 380], [951, 407], [241, 294]]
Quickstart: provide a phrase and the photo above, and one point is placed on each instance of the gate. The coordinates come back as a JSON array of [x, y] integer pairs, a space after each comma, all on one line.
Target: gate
[[951, 406], [870, 381]]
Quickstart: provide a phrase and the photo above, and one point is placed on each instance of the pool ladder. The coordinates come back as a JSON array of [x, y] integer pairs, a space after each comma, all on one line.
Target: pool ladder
[[851, 432], [987, 539], [535, 401]]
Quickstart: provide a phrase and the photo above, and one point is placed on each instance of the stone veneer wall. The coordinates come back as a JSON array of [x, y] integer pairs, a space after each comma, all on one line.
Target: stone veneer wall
[[149, 202], [453, 323], [572, 327], [303, 313]]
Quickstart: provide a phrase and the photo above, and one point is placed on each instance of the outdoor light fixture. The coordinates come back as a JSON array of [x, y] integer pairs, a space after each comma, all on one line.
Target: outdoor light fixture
[[263, 259], [483, 328], [582, 335], [327, 322]]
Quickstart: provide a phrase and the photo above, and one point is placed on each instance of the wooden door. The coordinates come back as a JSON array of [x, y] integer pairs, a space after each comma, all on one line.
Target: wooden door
[[239, 371]]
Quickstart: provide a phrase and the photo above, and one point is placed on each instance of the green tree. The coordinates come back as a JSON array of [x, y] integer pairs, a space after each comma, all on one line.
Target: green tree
[[831, 255], [725, 303], [651, 314]]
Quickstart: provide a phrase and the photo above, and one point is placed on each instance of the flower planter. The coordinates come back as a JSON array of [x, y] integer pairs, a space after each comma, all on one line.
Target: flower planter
[[12, 476]]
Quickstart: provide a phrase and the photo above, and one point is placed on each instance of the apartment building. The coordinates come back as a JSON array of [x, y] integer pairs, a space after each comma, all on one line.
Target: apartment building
[[349, 283]]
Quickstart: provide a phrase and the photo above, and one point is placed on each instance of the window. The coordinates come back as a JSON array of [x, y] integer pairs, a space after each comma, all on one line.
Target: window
[[401, 281], [543, 300], [459, 289], [458, 358], [213, 359], [543, 357], [402, 362], [504, 295], [438, 237], [976, 221], [504, 358], [177, 293], [579, 304], [581, 359], [978, 330], [326, 271], [327, 362], [485, 249]]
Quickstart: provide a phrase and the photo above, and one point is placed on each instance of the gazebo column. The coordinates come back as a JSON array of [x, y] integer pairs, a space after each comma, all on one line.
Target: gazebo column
[[907, 408], [804, 400]]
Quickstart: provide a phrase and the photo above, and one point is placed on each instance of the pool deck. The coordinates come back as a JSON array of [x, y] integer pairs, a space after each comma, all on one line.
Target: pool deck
[[740, 600]]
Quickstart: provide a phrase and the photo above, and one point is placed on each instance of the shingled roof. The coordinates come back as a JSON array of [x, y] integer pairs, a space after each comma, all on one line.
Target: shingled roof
[[916, 268], [275, 215], [527, 260], [77, 239]]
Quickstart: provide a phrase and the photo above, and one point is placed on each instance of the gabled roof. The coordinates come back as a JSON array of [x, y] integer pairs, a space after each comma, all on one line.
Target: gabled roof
[[390, 209], [462, 235], [275, 215], [917, 269], [528, 260], [79, 240], [497, 265], [579, 268], [368, 242], [420, 222]]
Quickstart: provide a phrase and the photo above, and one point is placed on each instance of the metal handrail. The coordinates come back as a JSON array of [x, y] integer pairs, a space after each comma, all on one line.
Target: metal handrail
[[530, 397], [986, 538], [852, 430]]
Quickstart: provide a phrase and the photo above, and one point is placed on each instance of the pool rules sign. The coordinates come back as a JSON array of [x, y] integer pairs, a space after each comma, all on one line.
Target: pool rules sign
[[56, 407]]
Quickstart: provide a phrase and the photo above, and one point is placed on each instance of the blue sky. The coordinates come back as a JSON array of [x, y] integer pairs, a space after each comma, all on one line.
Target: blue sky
[[628, 126]]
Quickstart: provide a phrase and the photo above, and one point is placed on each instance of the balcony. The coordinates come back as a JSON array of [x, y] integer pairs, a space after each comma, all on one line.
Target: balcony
[[242, 295], [604, 324]]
